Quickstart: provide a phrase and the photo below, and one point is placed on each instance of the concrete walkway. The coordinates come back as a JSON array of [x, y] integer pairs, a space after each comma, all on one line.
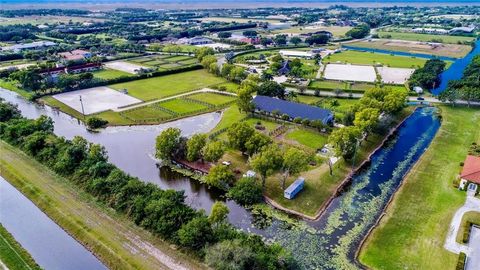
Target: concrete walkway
[[471, 204], [203, 90]]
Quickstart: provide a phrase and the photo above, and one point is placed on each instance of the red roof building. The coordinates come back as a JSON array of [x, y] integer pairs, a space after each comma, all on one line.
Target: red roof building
[[471, 169]]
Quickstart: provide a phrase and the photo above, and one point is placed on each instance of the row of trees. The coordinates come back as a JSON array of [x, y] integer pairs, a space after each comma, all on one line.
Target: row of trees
[[163, 212], [366, 117], [467, 88]]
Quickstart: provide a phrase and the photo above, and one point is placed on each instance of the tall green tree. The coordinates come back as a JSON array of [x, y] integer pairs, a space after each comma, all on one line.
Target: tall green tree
[[195, 145], [220, 176], [219, 213], [345, 140], [213, 151], [166, 143], [238, 134], [294, 161], [266, 162]]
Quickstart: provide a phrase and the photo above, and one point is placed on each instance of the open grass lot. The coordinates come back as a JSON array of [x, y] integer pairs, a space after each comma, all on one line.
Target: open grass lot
[[467, 219], [412, 233], [229, 116], [182, 106], [212, 98], [228, 86], [163, 62], [424, 37], [118, 242], [329, 84], [370, 58], [169, 85], [13, 255], [337, 31], [447, 50], [238, 20], [338, 105], [309, 138], [108, 74]]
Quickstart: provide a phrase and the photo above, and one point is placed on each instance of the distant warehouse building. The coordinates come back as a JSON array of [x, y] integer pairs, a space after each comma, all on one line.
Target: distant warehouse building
[[463, 30], [37, 45], [292, 109], [297, 54]]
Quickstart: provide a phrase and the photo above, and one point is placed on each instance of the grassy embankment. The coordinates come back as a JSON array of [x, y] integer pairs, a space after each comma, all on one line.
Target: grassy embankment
[[118, 242], [412, 233], [13, 255]]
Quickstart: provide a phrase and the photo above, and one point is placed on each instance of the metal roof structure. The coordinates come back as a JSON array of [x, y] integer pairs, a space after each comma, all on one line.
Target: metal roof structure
[[292, 109]]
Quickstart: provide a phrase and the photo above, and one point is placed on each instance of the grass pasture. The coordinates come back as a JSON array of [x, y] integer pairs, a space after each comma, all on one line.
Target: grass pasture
[[164, 62], [309, 138], [212, 98], [412, 233], [370, 58], [424, 37], [169, 85], [108, 74], [182, 106], [447, 50]]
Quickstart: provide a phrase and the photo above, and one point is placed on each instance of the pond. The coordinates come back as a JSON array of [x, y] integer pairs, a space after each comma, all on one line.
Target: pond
[[329, 242], [48, 243]]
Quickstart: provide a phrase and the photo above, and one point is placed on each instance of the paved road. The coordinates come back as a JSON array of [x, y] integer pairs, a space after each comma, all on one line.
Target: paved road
[[473, 261], [471, 204]]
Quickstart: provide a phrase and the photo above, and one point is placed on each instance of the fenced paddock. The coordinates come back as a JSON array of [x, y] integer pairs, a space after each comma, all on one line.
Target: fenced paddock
[[354, 73], [162, 61], [124, 66], [394, 75], [96, 99]]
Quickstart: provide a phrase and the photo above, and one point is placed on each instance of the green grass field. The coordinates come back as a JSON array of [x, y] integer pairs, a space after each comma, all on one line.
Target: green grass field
[[146, 113], [112, 237], [424, 37], [308, 138], [212, 98], [181, 106], [108, 74], [13, 255], [169, 85], [230, 115], [412, 233], [370, 58], [337, 31], [326, 84]]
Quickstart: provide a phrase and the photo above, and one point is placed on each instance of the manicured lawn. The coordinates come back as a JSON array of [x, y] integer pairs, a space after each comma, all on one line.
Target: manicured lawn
[[169, 85], [370, 58], [269, 125], [212, 98], [10, 85], [327, 84], [116, 240], [412, 233], [424, 37], [337, 31], [182, 106], [108, 74], [13, 255], [309, 138], [230, 87], [147, 112]]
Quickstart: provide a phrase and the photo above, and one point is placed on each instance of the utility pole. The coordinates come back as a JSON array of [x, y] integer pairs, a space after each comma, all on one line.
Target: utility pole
[[83, 111]]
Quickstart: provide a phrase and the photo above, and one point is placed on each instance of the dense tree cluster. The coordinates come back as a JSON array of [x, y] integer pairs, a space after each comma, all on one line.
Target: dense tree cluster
[[429, 75], [163, 212], [359, 31], [366, 116]]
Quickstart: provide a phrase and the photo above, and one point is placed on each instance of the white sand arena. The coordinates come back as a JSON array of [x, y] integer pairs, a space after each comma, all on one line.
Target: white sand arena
[[97, 99], [395, 75], [354, 73], [124, 66]]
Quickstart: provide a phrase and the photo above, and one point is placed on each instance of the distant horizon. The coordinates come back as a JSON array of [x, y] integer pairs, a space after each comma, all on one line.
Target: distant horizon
[[218, 4]]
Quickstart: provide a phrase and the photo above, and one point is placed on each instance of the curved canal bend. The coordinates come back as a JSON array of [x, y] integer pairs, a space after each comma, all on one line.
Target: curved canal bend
[[327, 243]]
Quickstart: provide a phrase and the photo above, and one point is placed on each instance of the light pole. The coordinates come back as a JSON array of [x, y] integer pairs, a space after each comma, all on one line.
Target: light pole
[[81, 103]]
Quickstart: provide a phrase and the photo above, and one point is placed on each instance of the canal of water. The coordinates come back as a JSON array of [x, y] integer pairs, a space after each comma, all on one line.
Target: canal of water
[[49, 244]]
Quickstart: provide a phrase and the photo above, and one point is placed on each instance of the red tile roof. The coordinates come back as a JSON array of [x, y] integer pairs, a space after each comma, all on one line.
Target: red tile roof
[[471, 169]]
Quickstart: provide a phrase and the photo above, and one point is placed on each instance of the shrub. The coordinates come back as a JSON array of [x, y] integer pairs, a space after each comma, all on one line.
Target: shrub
[[95, 122], [461, 261], [246, 191]]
